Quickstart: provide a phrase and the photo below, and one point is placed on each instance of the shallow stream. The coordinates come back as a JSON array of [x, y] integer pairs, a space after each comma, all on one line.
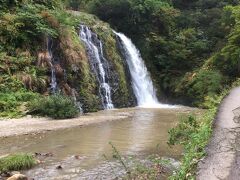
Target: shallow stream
[[80, 150]]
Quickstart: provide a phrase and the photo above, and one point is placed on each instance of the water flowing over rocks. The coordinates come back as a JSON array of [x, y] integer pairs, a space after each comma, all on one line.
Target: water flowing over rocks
[[141, 81], [99, 64], [53, 83]]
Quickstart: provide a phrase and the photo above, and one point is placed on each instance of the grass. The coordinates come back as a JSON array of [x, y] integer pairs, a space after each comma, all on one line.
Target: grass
[[151, 168], [194, 133], [17, 162]]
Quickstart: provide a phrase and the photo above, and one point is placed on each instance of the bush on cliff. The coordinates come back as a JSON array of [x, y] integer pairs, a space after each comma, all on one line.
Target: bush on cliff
[[54, 106]]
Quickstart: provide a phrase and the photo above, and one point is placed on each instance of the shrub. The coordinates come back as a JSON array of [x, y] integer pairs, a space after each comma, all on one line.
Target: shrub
[[16, 162], [205, 83], [182, 133], [197, 86], [12, 105], [54, 106], [193, 134]]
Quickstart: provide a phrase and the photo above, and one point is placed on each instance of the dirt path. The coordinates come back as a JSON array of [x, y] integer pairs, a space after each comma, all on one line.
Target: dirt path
[[223, 158], [29, 125]]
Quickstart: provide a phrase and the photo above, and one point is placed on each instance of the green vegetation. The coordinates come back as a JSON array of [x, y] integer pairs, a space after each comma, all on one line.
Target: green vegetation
[[191, 48], [22, 28], [193, 132], [188, 59], [55, 106], [25, 66], [184, 43], [155, 168], [17, 162], [13, 104]]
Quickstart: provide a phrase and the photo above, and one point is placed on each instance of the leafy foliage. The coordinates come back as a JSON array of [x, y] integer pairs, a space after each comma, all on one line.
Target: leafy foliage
[[55, 106], [13, 104], [193, 134], [175, 39], [201, 84], [24, 27]]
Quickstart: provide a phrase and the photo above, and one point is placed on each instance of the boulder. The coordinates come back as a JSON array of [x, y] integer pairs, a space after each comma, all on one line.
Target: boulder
[[18, 177]]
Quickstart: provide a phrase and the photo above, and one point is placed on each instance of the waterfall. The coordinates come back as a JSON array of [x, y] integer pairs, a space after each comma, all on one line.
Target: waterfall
[[53, 83], [98, 63], [141, 82], [77, 103]]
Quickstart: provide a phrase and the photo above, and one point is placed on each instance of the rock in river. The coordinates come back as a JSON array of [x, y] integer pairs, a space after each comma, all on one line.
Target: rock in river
[[18, 177]]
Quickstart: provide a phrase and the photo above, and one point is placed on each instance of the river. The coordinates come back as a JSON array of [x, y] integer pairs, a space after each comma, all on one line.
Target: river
[[80, 150]]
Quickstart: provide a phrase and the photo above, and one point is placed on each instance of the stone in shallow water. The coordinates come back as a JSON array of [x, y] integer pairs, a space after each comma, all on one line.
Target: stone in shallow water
[[18, 177], [59, 167]]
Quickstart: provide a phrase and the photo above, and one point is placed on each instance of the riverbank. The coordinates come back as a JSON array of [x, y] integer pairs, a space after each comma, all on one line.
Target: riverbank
[[79, 150], [35, 125], [211, 141], [223, 159]]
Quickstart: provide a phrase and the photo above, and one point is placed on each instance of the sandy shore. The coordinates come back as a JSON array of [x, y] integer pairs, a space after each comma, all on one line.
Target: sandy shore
[[223, 155], [32, 125]]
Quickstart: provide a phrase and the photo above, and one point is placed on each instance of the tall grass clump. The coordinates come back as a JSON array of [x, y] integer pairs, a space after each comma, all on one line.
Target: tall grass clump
[[17, 162]]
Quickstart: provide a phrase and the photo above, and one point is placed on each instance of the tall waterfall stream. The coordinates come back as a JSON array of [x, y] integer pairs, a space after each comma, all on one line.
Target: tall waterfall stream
[[99, 64], [141, 81]]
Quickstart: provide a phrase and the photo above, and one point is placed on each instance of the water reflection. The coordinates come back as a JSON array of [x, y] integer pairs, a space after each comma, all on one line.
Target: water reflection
[[139, 134]]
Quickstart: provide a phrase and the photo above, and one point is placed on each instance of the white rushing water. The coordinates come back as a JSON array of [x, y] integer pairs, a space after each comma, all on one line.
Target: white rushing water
[[53, 83], [142, 84], [77, 103], [98, 63]]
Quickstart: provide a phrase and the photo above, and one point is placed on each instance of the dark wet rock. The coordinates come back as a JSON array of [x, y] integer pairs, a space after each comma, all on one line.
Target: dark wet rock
[[59, 167], [37, 154], [18, 177], [5, 174], [49, 154], [77, 157]]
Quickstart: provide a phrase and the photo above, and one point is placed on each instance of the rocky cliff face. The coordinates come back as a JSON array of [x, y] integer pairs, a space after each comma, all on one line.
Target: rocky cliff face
[[45, 55], [74, 74]]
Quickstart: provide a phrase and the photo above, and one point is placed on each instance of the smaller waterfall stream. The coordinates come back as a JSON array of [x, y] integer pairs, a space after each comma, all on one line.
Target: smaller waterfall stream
[[53, 83], [98, 63], [142, 84], [77, 103]]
